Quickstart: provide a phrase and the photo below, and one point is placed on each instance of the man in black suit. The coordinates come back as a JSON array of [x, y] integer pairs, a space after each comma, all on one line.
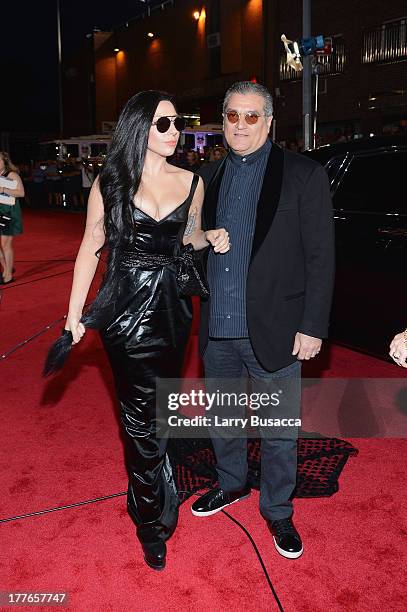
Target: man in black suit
[[270, 294]]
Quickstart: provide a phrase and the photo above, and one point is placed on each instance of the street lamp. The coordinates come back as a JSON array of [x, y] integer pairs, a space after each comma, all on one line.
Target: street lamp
[[61, 111]]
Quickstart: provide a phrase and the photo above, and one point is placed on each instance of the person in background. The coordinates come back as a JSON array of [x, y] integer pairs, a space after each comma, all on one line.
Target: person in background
[[87, 180], [72, 184], [193, 161], [219, 153], [207, 154], [339, 135], [292, 145], [178, 159], [38, 183], [53, 184], [15, 226], [25, 173]]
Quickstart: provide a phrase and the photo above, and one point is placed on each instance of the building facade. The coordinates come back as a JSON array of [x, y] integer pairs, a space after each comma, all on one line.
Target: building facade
[[197, 49]]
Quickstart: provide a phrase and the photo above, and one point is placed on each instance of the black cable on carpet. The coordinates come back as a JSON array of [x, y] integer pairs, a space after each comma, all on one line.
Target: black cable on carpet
[[114, 495], [35, 280], [75, 505], [38, 333], [256, 550]]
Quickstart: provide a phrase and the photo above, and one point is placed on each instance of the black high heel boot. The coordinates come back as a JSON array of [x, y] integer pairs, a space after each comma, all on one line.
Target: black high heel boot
[[155, 554]]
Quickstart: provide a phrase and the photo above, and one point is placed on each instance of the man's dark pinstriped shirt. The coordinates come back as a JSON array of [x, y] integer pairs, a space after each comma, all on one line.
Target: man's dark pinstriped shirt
[[227, 273]]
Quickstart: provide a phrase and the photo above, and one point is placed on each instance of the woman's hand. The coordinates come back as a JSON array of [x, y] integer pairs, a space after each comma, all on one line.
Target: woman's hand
[[219, 239], [6, 191], [75, 327], [398, 349]]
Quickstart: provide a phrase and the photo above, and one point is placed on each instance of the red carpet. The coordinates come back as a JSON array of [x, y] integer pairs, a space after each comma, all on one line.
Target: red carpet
[[61, 446]]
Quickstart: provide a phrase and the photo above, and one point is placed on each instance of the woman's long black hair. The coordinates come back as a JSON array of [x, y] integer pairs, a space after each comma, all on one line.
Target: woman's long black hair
[[119, 181]]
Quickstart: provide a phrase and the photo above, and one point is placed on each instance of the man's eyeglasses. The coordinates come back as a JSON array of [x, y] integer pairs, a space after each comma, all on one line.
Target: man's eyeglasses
[[250, 117], [163, 124]]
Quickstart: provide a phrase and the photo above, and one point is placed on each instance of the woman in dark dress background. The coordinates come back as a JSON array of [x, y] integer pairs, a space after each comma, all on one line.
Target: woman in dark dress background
[[15, 226], [143, 210]]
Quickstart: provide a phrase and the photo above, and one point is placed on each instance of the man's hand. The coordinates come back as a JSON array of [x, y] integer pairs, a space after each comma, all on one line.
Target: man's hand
[[306, 347], [398, 349]]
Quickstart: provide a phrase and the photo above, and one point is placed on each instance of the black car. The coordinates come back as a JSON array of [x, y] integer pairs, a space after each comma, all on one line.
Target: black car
[[369, 189]]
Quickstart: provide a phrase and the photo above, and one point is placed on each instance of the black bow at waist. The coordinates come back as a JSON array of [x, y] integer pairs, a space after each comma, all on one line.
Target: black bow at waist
[[191, 278]]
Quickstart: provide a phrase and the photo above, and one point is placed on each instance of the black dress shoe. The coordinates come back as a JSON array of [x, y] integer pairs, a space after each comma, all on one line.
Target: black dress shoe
[[155, 554], [214, 500], [3, 282], [286, 538]]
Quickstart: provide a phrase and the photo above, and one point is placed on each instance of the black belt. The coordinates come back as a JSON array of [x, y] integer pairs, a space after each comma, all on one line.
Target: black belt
[[133, 259], [190, 275]]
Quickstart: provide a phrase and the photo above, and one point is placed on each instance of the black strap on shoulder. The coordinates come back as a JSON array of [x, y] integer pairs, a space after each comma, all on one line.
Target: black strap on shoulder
[[194, 185]]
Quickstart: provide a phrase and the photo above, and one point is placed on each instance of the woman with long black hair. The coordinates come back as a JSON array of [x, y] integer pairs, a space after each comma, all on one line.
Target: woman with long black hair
[[142, 210]]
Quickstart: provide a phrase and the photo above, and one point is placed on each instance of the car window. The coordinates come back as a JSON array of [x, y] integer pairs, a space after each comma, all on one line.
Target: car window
[[333, 166], [374, 182]]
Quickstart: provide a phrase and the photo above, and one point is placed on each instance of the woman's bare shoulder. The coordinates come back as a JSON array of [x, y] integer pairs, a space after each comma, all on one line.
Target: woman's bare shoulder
[[182, 173]]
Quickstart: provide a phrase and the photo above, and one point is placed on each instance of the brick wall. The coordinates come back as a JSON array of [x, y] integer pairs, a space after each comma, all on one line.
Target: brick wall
[[177, 59]]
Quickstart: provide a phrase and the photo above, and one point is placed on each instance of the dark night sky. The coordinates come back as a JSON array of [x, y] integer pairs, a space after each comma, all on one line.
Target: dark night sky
[[29, 54]]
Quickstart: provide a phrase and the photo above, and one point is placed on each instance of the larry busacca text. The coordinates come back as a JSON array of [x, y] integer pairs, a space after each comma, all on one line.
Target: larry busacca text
[[217, 421]]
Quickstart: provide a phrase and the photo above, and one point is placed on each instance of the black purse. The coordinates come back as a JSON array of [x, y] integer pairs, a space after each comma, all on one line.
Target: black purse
[[191, 277]]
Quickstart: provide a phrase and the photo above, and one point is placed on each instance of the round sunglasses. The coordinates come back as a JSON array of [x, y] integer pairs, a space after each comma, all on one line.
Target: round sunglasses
[[250, 117], [163, 124]]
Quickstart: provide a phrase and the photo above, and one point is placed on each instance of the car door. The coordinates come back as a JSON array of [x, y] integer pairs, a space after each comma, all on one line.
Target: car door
[[370, 299]]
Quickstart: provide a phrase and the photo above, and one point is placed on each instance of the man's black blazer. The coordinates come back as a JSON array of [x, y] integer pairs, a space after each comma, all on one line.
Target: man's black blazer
[[291, 272]]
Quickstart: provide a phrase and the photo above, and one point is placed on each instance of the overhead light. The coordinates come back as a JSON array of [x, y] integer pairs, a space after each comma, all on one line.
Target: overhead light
[[197, 15], [150, 35], [116, 49]]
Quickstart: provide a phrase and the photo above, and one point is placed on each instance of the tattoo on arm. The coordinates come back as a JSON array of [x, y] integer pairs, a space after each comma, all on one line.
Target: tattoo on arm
[[190, 226]]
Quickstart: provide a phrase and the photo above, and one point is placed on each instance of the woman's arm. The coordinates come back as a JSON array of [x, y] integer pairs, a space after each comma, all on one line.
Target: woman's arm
[[194, 235], [18, 192], [86, 261]]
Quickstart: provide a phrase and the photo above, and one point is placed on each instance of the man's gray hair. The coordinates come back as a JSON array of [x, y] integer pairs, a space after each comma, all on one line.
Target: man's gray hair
[[247, 87]]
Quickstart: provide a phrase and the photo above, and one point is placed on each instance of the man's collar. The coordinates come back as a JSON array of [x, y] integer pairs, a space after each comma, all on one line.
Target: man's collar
[[243, 160]]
